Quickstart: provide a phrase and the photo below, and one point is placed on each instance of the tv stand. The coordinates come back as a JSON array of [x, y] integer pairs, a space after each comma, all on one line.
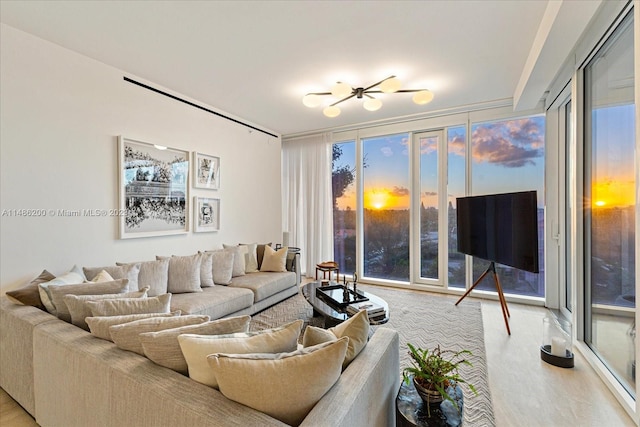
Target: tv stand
[[503, 301]]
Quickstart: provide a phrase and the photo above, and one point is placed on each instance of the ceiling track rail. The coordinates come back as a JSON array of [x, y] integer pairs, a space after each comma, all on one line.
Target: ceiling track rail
[[199, 107]]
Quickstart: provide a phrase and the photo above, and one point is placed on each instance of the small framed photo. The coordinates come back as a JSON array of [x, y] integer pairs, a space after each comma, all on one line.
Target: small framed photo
[[206, 171], [206, 216]]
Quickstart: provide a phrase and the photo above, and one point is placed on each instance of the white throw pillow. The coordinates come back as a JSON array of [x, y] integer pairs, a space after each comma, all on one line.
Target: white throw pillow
[[73, 276], [154, 274], [274, 260], [99, 325], [127, 336], [78, 309], [163, 348], [123, 306], [284, 386], [238, 259], [250, 257], [58, 293], [222, 266], [129, 272], [184, 274], [195, 348], [206, 269]]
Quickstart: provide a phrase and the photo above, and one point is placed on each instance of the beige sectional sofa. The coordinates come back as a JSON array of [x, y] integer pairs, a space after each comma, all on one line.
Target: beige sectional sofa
[[64, 376]]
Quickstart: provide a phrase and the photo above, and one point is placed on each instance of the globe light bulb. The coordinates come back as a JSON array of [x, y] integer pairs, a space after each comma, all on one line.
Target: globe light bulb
[[311, 100], [423, 97], [372, 104], [331, 111], [341, 90], [390, 85]]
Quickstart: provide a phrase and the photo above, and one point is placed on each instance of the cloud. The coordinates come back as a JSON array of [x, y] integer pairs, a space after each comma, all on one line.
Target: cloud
[[399, 191], [428, 145], [457, 145], [386, 151], [512, 144]]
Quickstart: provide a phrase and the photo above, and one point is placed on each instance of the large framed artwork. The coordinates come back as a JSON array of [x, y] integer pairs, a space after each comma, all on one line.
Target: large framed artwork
[[206, 215], [154, 189], [206, 171]]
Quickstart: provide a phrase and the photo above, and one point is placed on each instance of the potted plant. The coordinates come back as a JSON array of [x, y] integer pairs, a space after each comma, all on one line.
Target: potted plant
[[434, 371]]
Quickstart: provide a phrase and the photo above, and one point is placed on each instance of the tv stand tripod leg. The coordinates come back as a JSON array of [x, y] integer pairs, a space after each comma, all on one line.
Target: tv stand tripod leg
[[503, 302], [474, 285]]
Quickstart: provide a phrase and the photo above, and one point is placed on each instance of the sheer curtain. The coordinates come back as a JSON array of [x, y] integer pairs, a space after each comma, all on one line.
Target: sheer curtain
[[306, 198]]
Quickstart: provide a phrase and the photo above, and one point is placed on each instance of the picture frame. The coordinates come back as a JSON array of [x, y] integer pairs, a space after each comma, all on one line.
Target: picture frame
[[206, 214], [153, 182], [206, 171]]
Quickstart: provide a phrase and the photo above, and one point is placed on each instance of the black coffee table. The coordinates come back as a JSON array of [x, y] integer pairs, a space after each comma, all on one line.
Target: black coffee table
[[334, 314]]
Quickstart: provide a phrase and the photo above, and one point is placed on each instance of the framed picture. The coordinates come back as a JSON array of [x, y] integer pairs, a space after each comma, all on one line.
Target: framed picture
[[206, 171], [154, 189], [206, 215]]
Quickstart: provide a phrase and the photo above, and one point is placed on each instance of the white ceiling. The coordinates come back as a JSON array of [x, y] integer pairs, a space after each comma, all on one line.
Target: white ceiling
[[256, 60]]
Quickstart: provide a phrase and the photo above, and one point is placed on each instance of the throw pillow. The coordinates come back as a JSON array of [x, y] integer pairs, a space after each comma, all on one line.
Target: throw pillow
[[250, 257], [274, 260], [206, 270], [73, 276], [238, 259], [126, 336], [59, 291], [78, 309], [222, 265], [123, 306], [154, 274], [29, 294], [260, 253], [99, 325], [356, 328], [163, 347], [195, 348], [284, 386], [184, 274], [103, 276], [129, 271]]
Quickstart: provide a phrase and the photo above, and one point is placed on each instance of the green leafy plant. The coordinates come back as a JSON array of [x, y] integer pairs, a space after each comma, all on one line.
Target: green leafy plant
[[437, 369]]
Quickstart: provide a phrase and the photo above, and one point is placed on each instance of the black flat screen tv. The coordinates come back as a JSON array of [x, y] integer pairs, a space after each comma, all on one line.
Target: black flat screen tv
[[501, 228]]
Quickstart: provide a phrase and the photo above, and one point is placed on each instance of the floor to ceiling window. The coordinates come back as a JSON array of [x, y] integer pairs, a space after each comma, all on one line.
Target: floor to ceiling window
[[386, 200], [609, 205], [429, 225], [343, 176], [456, 187], [508, 156]]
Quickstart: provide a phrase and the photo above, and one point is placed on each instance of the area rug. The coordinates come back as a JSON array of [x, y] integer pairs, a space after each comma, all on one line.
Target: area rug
[[425, 320]]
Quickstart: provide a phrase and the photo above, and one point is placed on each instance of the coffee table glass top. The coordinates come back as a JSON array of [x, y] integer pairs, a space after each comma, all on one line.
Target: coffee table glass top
[[337, 314]]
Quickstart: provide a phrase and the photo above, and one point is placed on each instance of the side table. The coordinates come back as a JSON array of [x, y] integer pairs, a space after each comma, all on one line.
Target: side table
[[412, 411]]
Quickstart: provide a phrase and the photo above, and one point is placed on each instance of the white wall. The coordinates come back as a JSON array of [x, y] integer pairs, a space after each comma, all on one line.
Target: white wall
[[60, 116]]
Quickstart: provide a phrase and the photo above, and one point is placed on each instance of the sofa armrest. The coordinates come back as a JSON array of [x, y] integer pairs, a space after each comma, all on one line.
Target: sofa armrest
[[366, 391], [293, 264]]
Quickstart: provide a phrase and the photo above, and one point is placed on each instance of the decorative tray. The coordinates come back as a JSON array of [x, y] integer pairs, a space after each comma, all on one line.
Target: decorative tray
[[336, 295]]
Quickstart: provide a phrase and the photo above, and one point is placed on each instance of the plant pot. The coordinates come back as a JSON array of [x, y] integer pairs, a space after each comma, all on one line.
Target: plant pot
[[430, 397]]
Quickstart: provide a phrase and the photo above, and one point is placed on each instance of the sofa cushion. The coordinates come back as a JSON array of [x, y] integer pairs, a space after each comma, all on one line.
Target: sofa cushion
[[79, 310], [126, 336], [217, 302], [356, 328], [274, 260], [222, 266], [154, 274], [163, 348], [73, 276], [123, 306], [238, 258], [206, 269], [129, 271], [184, 274], [29, 294], [195, 348], [260, 253], [250, 257], [58, 293], [285, 386], [263, 284], [99, 325]]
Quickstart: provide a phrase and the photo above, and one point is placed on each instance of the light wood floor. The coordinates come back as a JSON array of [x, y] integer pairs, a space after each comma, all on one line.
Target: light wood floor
[[525, 390]]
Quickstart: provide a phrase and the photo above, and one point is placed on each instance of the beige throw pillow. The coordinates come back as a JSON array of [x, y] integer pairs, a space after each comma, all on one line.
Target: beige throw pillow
[[238, 258], [184, 274], [206, 270], [58, 293], [222, 266], [250, 257], [154, 274], [120, 307], [29, 294], [78, 309], [163, 347], [274, 260], [356, 328], [195, 348], [126, 336], [99, 325], [71, 277], [284, 386], [130, 272]]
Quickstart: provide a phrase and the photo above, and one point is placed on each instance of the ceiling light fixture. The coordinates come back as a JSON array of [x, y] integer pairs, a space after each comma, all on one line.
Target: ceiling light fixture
[[343, 91]]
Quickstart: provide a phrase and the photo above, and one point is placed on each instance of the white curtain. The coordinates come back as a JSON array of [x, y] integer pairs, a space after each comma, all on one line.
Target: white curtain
[[306, 198]]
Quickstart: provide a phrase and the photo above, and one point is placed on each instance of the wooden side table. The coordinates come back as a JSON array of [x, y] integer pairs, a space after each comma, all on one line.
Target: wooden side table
[[328, 267]]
